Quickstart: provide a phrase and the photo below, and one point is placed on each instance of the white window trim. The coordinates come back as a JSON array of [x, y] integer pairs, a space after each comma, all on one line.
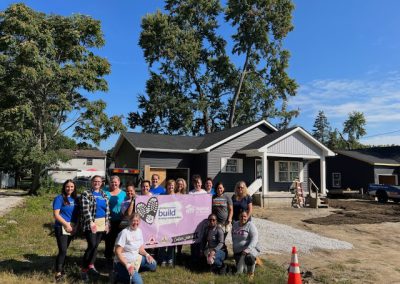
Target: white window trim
[[340, 180], [276, 170], [224, 162], [91, 161]]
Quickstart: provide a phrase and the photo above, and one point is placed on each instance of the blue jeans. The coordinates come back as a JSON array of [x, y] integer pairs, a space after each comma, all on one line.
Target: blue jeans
[[122, 273], [219, 258]]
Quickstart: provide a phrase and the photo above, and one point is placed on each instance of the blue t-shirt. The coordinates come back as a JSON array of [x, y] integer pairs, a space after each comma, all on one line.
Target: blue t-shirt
[[159, 190], [115, 202], [69, 212], [212, 191], [240, 205], [101, 205]]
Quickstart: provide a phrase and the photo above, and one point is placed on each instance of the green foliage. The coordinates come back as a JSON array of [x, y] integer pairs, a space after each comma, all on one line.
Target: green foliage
[[46, 61], [321, 130], [198, 86], [354, 127]]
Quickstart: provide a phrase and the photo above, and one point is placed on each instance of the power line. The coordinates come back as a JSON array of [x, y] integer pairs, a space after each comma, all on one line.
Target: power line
[[379, 134]]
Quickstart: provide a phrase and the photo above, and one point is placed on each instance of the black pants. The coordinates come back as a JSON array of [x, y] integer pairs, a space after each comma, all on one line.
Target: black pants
[[111, 237], [63, 242], [93, 241]]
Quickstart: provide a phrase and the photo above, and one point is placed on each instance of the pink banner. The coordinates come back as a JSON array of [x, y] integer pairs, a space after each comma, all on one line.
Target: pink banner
[[169, 220]]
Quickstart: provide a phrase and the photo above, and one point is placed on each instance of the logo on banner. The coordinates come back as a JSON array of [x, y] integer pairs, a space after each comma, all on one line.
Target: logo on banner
[[148, 211]]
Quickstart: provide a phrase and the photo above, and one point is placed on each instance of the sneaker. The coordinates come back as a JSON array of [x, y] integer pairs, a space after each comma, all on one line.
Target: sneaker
[[170, 263], [163, 264], [93, 272], [58, 277]]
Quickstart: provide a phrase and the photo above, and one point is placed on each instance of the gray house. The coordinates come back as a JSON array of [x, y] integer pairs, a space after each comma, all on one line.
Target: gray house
[[265, 158]]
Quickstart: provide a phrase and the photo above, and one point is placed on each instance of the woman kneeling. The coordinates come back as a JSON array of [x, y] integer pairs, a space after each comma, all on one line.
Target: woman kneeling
[[245, 240], [213, 245], [130, 255]]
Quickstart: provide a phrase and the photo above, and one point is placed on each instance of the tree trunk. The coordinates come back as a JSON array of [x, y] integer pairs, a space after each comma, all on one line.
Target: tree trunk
[[36, 180], [237, 92]]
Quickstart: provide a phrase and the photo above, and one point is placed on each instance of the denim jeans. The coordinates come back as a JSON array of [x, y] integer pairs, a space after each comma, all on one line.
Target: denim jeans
[[122, 275], [219, 258]]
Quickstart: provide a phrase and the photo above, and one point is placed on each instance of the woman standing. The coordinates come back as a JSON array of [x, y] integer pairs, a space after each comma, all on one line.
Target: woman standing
[[115, 198], [130, 255], [181, 187], [166, 254], [197, 186], [95, 215], [222, 208], [65, 210], [245, 241], [242, 202], [128, 206], [146, 188]]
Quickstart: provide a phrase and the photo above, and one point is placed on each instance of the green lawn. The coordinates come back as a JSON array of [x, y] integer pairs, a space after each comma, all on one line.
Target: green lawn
[[28, 249]]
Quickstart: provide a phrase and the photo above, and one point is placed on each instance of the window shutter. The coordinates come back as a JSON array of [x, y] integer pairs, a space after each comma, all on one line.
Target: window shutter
[[276, 170], [240, 165], [223, 165]]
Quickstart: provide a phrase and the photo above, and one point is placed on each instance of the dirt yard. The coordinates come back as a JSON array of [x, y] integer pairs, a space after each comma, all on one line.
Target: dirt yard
[[372, 228]]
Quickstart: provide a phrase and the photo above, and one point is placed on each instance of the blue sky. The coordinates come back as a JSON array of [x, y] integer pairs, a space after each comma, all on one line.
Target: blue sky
[[344, 56]]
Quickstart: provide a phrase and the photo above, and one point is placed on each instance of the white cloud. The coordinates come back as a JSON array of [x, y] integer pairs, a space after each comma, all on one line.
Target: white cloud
[[382, 140], [377, 96]]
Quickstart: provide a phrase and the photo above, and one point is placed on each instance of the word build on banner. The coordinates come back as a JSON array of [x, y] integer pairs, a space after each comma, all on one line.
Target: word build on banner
[[169, 220]]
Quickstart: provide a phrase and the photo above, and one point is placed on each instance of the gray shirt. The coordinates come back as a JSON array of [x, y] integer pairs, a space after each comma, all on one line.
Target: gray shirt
[[245, 238], [220, 206], [213, 238]]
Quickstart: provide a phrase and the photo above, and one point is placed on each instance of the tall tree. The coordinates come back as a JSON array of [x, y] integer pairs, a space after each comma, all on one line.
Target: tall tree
[[321, 128], [46, 61], [196, 84], [354, 127]]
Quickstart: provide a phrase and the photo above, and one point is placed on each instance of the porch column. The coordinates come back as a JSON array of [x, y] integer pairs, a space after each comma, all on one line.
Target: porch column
[[264, 174], [322, 169]]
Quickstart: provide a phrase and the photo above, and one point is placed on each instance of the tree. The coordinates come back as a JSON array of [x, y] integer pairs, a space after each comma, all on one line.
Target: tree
[[321, 128], [354, 127], [196, 85], [46, 61]]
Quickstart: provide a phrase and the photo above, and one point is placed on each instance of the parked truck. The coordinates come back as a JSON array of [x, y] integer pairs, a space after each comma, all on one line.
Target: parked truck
[[384, 192], [126, 175]]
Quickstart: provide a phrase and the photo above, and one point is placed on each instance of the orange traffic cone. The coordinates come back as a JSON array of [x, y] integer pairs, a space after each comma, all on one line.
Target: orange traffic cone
[[294, 269]]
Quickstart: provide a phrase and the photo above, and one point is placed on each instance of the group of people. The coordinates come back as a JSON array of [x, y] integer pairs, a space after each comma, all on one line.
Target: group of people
[[110, 215]]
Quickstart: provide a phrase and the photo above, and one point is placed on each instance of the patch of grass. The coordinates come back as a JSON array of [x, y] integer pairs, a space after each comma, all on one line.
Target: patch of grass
[[376, 242], [28, 249], [354, 261]]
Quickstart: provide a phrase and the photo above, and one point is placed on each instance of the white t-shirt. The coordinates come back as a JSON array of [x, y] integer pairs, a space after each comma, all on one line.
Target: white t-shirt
[[201, 191], [130, 241]]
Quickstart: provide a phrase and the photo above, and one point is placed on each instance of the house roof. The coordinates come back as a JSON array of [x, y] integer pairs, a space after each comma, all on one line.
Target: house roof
[[84, 153], [376, 155], [171, 143], [159, 141]]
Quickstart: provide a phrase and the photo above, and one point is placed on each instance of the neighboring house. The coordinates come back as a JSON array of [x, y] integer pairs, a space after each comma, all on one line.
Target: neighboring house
[[82, 163], [356, 169], [247, 152]]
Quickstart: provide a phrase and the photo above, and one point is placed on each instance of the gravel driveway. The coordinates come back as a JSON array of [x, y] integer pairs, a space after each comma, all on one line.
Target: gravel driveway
[[277, 238], [9, 202]]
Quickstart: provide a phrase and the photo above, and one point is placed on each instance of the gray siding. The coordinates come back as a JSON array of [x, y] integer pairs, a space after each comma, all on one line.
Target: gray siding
[[295, 144], [228, 150], [127, 156], [165, 160]]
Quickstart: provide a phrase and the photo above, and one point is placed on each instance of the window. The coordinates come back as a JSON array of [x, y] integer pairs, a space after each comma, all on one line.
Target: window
[[336, 180], [287, 171], [89, 161], [231, 165]]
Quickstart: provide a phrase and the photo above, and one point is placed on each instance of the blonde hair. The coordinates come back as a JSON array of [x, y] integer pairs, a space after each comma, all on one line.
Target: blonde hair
[[243, 184], [171, 181], [183, 190]]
